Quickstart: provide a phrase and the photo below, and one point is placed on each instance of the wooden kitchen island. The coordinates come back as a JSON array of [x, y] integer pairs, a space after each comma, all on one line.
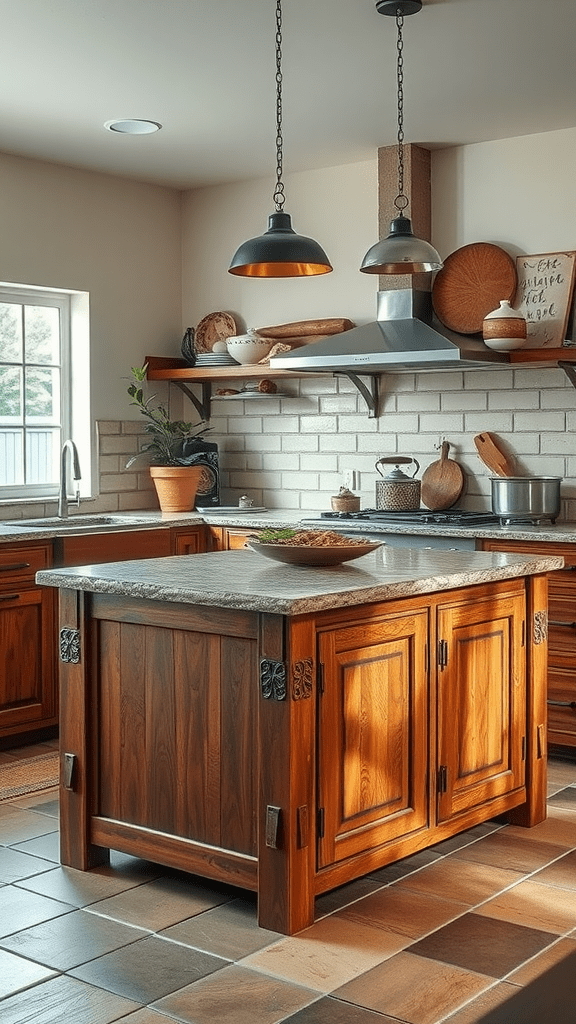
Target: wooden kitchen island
[[286, 730]]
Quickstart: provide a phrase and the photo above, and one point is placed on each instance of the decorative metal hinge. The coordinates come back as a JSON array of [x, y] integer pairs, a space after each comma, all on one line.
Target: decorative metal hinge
[[442, 779], [272, 679], [442, 653], [70, 646]]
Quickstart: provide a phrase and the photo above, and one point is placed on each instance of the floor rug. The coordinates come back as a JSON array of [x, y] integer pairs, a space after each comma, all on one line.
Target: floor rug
[[29, 775]]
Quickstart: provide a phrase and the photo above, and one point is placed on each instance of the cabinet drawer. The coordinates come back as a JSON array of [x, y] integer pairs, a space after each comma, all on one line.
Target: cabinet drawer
[[20, 563]]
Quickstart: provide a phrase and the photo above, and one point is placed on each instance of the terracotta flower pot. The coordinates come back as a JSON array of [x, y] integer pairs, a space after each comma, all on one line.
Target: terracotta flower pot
[[176, 486]]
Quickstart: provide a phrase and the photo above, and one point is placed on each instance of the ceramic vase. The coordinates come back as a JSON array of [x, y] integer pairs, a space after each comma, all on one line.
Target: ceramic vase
[[504, 328]]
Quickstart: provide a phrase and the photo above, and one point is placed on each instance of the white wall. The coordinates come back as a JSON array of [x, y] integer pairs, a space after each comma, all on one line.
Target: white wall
[[117, 239]]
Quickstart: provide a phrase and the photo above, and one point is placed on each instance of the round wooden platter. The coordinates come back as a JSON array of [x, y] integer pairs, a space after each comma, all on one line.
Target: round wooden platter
[[472, 282], [442, 482], [212, 328]]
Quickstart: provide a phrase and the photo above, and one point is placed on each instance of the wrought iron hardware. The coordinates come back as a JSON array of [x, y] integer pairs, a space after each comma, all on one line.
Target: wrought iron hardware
[[272, 826], [564, 625], [68, 770], [70, 646], [9, 597], [16, 565], [442, 653], [442, 779], [202, 407], [370, 395], [563, 704], [272, 679], [321, 822]]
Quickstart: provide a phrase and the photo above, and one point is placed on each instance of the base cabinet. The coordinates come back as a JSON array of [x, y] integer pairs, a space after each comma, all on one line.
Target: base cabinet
[[28, 692], [290, 755], [561, 637]]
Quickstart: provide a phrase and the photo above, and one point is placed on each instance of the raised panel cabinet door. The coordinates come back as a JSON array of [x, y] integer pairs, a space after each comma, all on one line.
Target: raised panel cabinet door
[[481, 701], [373, 734], [237, 539], [28, 697], [189, 542]]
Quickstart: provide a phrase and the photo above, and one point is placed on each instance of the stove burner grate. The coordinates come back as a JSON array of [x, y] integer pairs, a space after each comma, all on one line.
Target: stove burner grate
[[454, 517]]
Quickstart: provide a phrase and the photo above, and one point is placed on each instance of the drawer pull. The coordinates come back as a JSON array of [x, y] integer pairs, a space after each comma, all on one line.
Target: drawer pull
[[9, 597], [568, 568], [564, 625], [16, 565], [563, 704]]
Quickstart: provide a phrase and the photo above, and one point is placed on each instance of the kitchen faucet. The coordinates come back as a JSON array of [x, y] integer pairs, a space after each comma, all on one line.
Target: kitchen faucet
[[63, 499]]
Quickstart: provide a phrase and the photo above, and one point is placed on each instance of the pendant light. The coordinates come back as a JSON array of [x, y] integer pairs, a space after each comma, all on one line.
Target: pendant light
[[401, 252], [279, 252]]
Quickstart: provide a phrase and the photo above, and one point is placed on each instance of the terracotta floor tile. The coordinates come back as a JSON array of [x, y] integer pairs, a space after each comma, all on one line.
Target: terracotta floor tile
[[562, 872], [339, 898], [474, 1012], [161, 903], [21, 909], [403, 912], [65, 1000], [146, 1016], [484, 945], [535, 967], [236, 995], [331, 952], [414, 989], [230, 931], [507, 849], [464, 881], [534, 905], [465, 838], [79, 888], [329, 1010], [405, 866], [564, 798], [560, 772], [16, 973], [558, 828], [71, 940], [148, 969]]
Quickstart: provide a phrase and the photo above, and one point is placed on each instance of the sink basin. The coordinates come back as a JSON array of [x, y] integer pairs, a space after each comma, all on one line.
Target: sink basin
[[74, 523]]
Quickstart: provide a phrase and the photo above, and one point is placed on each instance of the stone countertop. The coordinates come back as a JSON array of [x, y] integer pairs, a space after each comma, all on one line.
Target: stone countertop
[[154, 519], [247, 580]]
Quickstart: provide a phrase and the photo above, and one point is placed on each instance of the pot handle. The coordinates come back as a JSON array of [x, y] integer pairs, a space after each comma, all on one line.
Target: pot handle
[[396, 460]]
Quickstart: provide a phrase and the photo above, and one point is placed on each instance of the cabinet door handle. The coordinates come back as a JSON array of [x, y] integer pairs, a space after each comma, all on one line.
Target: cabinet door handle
[[9, 597], [564, 625], [16, 565], [563, 704], [568, 568]]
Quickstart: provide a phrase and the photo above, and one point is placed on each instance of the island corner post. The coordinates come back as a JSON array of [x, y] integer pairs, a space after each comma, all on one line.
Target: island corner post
[[146, 770]]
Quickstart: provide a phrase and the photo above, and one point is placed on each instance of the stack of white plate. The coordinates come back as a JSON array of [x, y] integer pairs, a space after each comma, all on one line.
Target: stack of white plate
[[215, 359]]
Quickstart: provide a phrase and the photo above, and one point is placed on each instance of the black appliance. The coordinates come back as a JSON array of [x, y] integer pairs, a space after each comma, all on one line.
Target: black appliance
[[422, 517], [208, 493]]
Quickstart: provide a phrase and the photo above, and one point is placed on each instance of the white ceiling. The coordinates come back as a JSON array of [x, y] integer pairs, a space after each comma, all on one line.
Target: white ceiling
[[474, 70]]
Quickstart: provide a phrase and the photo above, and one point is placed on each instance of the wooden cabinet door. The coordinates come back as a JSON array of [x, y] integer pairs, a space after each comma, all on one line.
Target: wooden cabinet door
[[28, 693], [189, 541], [481, 700], [95, 548], [373, 735]]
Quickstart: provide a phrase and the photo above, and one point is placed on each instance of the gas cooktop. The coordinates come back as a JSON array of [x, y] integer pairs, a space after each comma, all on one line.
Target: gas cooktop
[[423, 516]]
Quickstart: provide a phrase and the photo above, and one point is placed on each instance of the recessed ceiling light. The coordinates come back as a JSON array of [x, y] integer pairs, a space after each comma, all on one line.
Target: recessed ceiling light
[[133, 126]]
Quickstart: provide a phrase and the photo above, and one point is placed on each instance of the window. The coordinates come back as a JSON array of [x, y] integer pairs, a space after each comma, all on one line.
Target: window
[[36, 389]]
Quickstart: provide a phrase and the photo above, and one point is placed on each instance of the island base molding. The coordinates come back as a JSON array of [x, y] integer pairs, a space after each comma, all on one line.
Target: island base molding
[[418, 718]]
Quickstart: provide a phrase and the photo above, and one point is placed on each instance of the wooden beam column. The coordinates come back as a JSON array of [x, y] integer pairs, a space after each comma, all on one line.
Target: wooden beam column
[[417, 189]]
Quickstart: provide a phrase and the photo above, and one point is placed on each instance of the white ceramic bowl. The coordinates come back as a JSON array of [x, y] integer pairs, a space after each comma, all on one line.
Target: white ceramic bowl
[[248, 348]]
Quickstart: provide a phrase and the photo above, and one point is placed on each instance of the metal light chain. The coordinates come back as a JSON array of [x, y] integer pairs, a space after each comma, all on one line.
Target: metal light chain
[[401, 201], [278, 195]]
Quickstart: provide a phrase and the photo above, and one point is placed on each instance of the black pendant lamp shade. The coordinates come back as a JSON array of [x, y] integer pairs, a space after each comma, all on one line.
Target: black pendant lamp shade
[[279, 252], [400, 252]]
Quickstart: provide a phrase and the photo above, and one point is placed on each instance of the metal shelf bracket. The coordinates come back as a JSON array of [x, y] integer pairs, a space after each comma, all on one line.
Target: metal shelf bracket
[[202, 407], [369, 394], [569, 370]]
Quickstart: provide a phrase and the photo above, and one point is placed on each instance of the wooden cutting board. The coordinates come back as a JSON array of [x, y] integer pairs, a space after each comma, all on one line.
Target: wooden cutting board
[[492, 455], [442, 482], [471, 284]]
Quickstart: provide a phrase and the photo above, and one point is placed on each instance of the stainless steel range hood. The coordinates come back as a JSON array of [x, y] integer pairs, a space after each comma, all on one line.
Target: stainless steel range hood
[[405, 336]]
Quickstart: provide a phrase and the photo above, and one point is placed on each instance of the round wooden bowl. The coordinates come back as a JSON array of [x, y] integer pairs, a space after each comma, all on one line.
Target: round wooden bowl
[[472, 282]]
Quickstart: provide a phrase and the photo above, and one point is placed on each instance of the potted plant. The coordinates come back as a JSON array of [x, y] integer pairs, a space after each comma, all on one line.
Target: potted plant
[[174, 449]]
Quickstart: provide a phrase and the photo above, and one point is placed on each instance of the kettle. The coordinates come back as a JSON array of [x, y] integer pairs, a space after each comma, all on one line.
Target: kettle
[[397, 492]]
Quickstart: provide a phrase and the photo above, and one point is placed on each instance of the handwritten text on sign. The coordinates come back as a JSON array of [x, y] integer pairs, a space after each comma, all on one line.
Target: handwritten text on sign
[[545, 284]]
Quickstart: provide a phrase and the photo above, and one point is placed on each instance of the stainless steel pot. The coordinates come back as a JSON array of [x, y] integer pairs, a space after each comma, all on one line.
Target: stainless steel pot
[[526, 497]]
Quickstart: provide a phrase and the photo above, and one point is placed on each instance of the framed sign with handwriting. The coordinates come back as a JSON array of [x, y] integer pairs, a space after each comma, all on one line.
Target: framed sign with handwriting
[[544, 296]]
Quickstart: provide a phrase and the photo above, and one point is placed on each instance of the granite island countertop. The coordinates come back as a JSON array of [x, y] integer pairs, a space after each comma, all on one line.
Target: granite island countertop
[[247, 580]]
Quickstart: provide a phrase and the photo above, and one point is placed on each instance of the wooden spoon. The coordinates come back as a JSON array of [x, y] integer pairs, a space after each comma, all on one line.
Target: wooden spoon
[[442, 482], [492, 456]]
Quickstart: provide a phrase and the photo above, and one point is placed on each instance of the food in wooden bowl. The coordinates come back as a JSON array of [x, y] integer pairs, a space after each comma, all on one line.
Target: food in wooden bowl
[[311, 547]]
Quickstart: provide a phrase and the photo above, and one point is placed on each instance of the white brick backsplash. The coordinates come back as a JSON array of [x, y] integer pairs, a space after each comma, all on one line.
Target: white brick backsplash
[[557, 444], [549, 420], [396, 423], [285, 461], [449, 380], [417, 402], [234, 442], [284, 424], [116, 482], [338, 443], [496, 422], [300, 481], [440, 423], [318, 424], [557, 399], [253, 460], [517, 399], [110, 426], [300, 443], [463, 401], [245, 425], [552, 377], [119, 443], [357, 424], [337, 404], [327, 462], [496, 379]]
